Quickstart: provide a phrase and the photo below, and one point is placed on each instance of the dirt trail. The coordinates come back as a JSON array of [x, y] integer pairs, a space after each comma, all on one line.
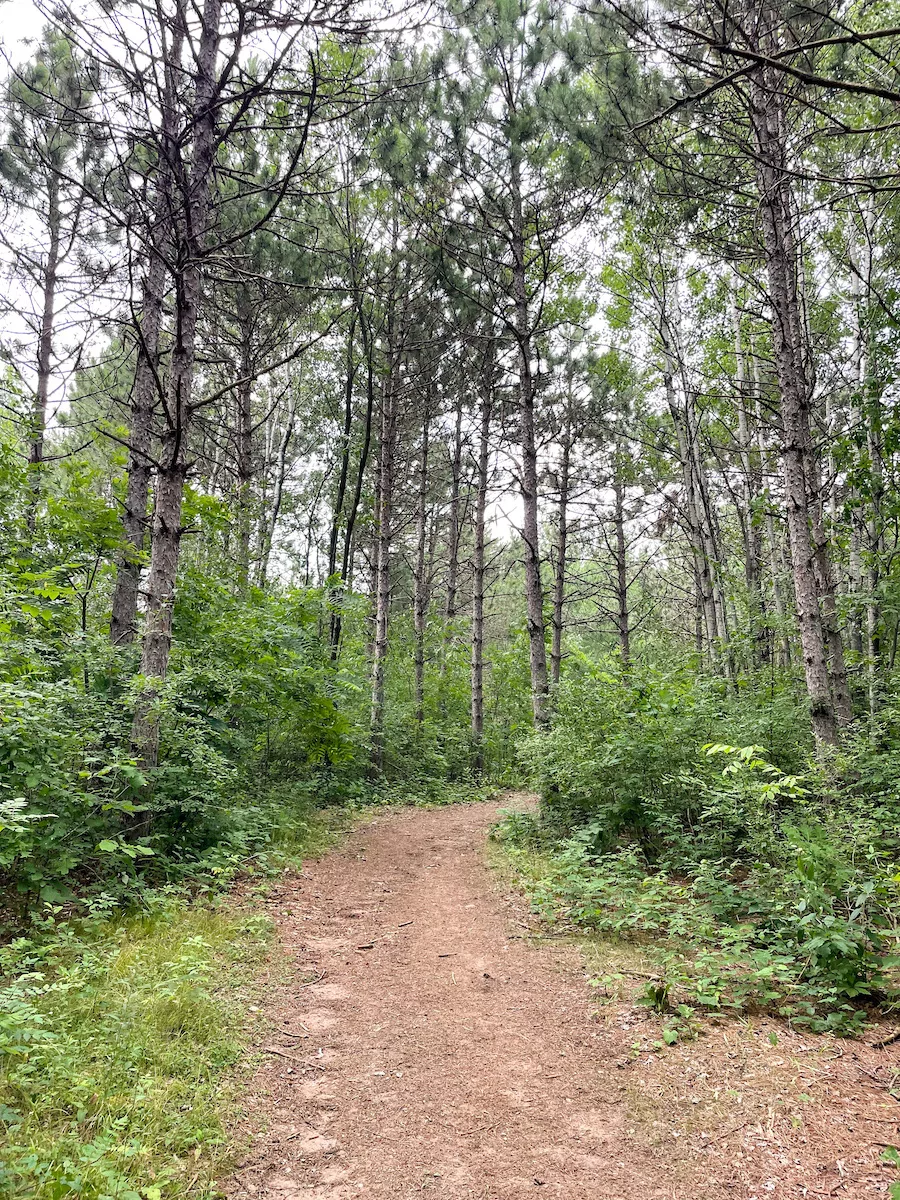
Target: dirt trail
[[442, 1054]]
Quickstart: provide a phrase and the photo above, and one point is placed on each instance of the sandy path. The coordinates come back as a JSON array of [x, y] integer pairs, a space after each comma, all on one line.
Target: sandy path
[[442, 1054], [450, 1058]]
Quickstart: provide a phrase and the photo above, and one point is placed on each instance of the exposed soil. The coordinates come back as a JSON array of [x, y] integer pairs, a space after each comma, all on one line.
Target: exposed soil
[[441, 1051]]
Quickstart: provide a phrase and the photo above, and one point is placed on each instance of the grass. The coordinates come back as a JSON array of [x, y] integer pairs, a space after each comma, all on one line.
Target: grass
[[118, 1040], [120, 1035]]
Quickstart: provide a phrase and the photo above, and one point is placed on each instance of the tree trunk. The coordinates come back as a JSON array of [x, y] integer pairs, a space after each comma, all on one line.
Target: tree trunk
[[244, 438], [693, 509], [123, 622], [559, 576], [167, 529], [478, 560], [453, 531], [840, 690], [346, 557], [382, 574], [148, 373], [774, 542], [866, 531], [623, 623], [45, 345], [420, 599], [776, 214], [336, 590], [450, 610], [750, 486], [344, 473], [534, 590], [274, 508]]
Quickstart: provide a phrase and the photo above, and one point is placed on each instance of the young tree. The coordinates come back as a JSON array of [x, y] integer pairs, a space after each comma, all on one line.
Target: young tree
[[45, 164]]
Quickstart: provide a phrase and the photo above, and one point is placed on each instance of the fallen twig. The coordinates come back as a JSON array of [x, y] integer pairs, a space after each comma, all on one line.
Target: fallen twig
[[310, 982], [728, 1132], [888, 1041], [284, 1054]]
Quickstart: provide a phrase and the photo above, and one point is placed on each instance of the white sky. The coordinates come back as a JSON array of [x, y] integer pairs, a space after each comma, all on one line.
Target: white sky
[[19, 21]]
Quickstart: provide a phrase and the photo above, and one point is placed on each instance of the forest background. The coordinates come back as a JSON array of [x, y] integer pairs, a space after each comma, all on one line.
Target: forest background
[[408, 404]]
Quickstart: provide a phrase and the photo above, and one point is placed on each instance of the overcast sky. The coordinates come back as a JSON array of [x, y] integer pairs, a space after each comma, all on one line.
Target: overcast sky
[[19, 20]]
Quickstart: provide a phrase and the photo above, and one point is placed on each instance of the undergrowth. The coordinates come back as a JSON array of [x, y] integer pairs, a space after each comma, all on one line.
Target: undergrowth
[[116, 1036], [120, 1029], [799, 919]]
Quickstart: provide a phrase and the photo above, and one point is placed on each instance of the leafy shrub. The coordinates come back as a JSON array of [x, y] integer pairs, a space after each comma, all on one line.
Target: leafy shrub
[[622, 755], [761, 889]]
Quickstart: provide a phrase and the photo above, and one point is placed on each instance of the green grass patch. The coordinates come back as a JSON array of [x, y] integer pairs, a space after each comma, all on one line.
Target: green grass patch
[[120, 1034], [117, 1039]]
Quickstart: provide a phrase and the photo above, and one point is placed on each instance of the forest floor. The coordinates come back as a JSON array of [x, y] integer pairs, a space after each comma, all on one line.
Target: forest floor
[[425, 1040]]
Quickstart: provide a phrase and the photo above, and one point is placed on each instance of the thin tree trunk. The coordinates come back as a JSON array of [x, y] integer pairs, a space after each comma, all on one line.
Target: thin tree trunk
[[750, 480], [382, 576], [244, 440], [623, 622], [777, 563], [453, 520], [336, 618], [478, 560], [123, 622], [559, 576], [420, 599], [866, 530], [148, 373], [45, 345], [450, 609], [344, 473], [840, 690], [274, 508], [534, 590], [692, 505], [167, 529]]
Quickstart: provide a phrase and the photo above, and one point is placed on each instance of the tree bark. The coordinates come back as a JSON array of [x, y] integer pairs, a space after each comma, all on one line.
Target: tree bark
[[123, 621], [244, 438], [623, 622], [453, 520], [148, 374], [274, 508], [167, 529], [344, 473], [346, 557], [866, 530], [561, 565], [750, 486], [45, 344], [478, 559], [774, 542], [382, 573], [534, 590], [693, 509], [790, 353], [420, 599]]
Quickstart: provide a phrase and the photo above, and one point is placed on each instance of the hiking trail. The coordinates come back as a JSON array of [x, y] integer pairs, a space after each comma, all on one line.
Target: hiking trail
[[439, 1052]]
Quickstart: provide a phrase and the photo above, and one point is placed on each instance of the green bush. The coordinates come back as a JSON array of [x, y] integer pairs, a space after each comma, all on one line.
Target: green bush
[[764, 878]]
